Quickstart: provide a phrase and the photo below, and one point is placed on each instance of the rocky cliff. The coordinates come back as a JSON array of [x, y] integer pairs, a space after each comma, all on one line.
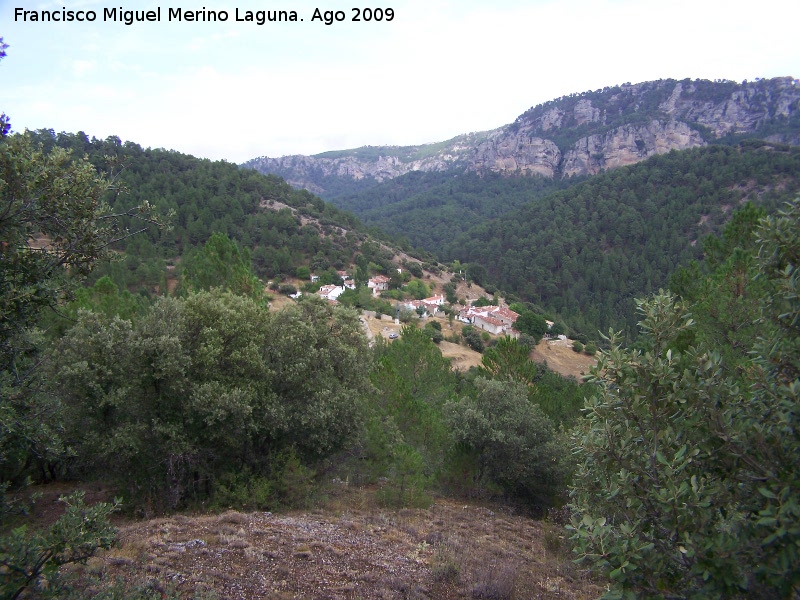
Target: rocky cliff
[[574, 135], [321, 172]]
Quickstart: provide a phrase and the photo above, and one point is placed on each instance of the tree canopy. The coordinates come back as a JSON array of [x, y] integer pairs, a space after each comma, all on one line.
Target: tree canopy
[[688, 482]]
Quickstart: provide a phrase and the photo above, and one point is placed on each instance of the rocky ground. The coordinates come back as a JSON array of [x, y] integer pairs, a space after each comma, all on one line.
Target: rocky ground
[[348, 550]]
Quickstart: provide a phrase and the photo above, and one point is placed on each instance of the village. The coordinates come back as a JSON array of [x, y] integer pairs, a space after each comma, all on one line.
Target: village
[[493, 320]]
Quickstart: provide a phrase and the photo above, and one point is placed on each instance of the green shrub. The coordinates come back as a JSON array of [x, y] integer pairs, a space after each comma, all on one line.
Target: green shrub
[[29, 558], [514, 443], [407, 481], [577, 346], [688, 484], [289, 485]]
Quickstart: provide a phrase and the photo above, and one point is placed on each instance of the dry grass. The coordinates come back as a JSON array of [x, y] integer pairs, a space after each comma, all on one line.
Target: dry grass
[[461, 357], [562, 359], [350, 549]]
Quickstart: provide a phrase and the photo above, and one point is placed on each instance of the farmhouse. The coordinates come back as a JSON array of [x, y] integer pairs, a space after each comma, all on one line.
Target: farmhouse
[[379, 283], [423, 307], [436, 300], [330, 292], [494, 319], [489, 324]]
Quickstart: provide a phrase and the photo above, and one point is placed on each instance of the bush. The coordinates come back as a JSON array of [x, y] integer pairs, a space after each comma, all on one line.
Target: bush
[[287, 289], [590, 349], [706, 505], [577, 346], [29, 558], [415, 269], [473, 339], [528, 341], [207, 386], [515, 444], [406, 315], [434, 329], [407, 480]]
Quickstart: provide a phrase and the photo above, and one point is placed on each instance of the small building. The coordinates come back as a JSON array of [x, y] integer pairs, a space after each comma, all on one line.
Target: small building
[[437, 300], [379, 283], [506, 315], [490, 324], [330, 292]]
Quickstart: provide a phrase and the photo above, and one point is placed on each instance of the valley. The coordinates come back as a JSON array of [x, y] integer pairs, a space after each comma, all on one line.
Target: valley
[[251, 390]]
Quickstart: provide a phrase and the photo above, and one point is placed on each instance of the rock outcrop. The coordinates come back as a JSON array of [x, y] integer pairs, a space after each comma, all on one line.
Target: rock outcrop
[[516, 152], [375, 163], [627, 145], [581, 134]]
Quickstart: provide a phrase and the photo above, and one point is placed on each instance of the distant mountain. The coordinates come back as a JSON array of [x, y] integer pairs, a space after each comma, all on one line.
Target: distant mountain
[[346, 171], [579, 134]]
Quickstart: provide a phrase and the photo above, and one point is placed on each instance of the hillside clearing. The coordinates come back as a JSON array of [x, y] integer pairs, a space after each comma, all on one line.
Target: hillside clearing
[[353, 550], [561, 358]]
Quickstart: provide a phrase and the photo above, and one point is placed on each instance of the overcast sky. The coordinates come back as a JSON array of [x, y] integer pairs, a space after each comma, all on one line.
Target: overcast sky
[[236, 90]]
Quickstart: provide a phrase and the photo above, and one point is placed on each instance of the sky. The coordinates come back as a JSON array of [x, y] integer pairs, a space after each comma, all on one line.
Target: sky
[[236, 90]]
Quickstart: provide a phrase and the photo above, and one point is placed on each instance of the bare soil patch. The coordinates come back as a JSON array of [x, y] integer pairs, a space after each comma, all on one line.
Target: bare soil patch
[[382, 327], [448, 551], [561, 358], [461, 357]]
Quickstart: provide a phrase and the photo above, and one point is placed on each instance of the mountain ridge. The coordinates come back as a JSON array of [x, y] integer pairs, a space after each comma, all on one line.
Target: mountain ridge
[[579, 134]]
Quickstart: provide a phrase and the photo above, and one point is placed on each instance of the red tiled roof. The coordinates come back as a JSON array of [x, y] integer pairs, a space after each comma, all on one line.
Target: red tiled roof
[[507, 313], [490, 320]]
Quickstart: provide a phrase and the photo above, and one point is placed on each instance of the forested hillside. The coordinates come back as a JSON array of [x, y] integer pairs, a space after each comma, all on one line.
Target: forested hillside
[[588, 251], [429, 209], [281, 228]]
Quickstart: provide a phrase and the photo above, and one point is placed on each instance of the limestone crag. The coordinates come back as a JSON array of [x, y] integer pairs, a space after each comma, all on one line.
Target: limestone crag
[[580, 134], [627, 145], [516, 152], [744, 110], [375, 163]]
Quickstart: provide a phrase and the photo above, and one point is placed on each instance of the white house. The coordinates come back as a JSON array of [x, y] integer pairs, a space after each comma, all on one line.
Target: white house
[[494, 319], [331, 292], [416, 305], [379, 283], [437, 300], [489, 324], [506, 315]]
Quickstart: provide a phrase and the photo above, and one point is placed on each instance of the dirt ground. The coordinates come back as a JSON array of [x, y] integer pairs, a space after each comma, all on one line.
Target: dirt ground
[[350, 549], [562, 359], [461, 357]]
